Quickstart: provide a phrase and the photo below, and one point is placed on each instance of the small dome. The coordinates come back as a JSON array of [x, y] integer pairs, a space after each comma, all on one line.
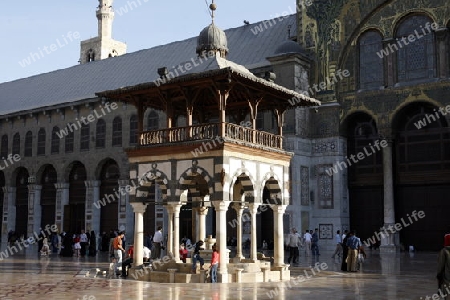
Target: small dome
[[288, 47], [212, 38]]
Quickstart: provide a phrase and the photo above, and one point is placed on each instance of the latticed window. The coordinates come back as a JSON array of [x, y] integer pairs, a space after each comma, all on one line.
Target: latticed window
[[370, 63], [415, 60], [133, 130], [100, 134], [153, 121], [55, 141], [16, 144], [117, 132], [84, 137], [69, 141], [29, 144], [41, 142], [4, 147]]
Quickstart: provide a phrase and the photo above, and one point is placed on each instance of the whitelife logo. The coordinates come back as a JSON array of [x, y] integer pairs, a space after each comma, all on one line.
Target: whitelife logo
[[86, 120]]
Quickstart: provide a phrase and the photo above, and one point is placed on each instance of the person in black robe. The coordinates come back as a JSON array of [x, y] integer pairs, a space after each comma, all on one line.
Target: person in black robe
[[93, 244], [67, 241]]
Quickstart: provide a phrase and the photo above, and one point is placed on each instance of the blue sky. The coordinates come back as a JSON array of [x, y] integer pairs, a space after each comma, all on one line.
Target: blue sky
[[28, 26]]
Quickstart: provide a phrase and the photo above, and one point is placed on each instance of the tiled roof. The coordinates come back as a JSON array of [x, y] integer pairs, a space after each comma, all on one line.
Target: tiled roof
[[81, 82]]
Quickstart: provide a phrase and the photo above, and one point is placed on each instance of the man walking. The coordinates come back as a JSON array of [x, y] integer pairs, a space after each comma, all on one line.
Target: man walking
[[353, 244], [307, 239], [157, 243], [294, 243], [118, 251], [338, 250], [315, 242]]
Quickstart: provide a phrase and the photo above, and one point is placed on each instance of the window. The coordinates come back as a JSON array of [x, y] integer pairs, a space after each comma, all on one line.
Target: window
[[415, 60], [133, 130], [100, 135], [41, 142], [117, 132], [29, 144], [55, 141], [4, 147], [370, 63], [84, 137], [16, 144], [153, 121], [70, 138]]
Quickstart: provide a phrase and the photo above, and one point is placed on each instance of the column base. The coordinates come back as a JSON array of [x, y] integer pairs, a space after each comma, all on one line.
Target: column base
[[389, 249]]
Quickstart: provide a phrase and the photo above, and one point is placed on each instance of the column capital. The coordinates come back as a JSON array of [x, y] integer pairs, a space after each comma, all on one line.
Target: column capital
[[123, 182], [138, 207], [278, 208], [62, 185], [9, 189], [202, 210], [253, 207], [92, 183], [221, 205], [34, 187], [238, 206]]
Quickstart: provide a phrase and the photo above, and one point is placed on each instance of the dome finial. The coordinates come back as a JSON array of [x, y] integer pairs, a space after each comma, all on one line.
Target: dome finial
[[213, 8]]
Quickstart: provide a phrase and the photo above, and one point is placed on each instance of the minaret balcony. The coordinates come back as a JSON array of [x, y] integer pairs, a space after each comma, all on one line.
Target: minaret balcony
[[233, 133]]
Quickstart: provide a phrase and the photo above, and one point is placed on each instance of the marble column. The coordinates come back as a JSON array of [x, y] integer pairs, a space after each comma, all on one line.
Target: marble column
[[62, 199], [138, 254], [221, 208], [169, 245], [176, 231], [9, 213], [388, 242], [124, 196], [253, 208], [239, 208], [34, 209], [278, 212], [201, 213], [92, 220]]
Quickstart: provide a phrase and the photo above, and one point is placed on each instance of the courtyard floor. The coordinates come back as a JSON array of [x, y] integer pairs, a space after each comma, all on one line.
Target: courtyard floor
[[393, 276]]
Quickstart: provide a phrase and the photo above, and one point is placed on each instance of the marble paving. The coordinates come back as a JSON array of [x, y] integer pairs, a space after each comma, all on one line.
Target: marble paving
[[395, 276]]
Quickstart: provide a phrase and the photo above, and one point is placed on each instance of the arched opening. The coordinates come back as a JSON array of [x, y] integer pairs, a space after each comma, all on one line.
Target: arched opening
[[48, 195], [265, 221], [109, 189], [365, 177], [74, 213], [415, 60], [21, 202], [422, 174], [371, 73], [2, 185]]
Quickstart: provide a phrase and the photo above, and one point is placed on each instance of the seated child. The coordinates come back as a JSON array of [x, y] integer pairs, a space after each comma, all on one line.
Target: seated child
[[183, 253]]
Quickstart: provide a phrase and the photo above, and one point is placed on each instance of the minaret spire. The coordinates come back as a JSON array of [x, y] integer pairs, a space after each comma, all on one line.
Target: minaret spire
[[102, 46], [105, 17], [213, 8]]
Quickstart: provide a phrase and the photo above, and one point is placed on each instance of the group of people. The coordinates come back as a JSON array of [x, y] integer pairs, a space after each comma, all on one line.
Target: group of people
[[78, 244], [309, 241]]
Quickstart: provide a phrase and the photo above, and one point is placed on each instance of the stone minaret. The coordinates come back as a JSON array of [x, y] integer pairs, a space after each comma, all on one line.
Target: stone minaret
[[105, 17], [102, 46]]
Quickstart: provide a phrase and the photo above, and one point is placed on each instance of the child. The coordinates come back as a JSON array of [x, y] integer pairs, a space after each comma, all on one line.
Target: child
[[45, 248], [77, 246], [214, 264], [183, 253], [197, 257]]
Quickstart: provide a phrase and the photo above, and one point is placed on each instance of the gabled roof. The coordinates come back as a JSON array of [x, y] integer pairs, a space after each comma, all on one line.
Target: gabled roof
[[249, 46]]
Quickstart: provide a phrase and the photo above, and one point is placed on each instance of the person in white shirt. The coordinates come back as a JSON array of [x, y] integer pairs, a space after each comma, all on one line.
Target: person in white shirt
[[157, 243], [307, 239], [338, 250]]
